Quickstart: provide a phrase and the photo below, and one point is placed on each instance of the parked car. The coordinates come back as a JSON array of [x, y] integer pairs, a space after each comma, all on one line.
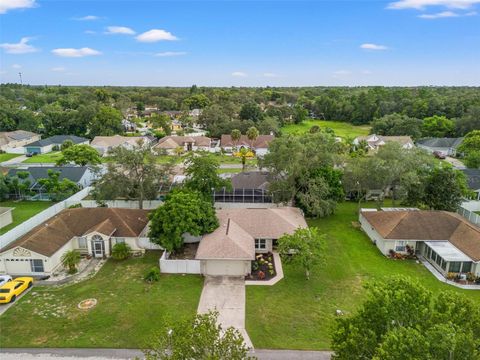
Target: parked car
[[13, 289], [4, 279], [439, 154], [30, 154]]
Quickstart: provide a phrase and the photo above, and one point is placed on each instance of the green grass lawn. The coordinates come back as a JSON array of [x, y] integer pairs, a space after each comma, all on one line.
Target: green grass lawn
[[24, 210], [342, 129], [299, 314], [51, 157], [129, 311], [6, 157]]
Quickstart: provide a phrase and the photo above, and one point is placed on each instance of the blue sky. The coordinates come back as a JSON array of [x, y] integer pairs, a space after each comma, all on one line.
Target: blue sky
[[240, 43]]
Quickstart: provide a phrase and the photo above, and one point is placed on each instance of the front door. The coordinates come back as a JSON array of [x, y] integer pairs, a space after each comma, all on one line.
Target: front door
[[98, 249]]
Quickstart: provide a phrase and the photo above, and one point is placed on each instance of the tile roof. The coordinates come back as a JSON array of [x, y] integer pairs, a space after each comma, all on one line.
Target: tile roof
[[262, 141], [427, 226], [48, 237], [264, 223], [58, 140]]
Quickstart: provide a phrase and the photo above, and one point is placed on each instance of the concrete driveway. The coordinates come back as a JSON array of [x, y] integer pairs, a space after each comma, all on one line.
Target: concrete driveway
[[226, 295]]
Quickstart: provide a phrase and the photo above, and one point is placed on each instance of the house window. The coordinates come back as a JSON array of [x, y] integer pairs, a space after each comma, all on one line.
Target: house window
[[119, 240], [455, 266], [97, 238], [467, 267], [36, 265], [260, 244], [82, 243], [400, 245]]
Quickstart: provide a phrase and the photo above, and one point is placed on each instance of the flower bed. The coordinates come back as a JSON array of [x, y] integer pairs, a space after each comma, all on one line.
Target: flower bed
[[263, 268], [465, 279]]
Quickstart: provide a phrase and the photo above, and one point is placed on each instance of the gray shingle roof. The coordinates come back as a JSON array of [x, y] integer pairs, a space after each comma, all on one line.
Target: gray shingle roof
[[251, 180], [440, 142], [473, 178], [57, 140], [73, 173]]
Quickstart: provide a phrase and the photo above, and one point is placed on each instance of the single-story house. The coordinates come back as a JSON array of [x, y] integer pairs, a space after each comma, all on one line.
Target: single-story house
[[105, 143], [446, 240], [447, 146], [230, 249], [374, 142], [83, 176], [473, 181], [188, 143], [92, 231], [247, 187], [260, 145], [46, 145], [14, 141], [5, 216]]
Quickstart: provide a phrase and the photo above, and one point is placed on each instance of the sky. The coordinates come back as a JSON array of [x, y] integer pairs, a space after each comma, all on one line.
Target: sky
[[240, 43]]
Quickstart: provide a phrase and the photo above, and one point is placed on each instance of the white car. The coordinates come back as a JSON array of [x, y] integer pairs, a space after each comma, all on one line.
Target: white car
[[4, 279]]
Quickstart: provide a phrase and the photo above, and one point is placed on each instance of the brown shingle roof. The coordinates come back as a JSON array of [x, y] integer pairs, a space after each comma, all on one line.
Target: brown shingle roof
[[428, 226], [171, 142], [48, 237], [262, 141]]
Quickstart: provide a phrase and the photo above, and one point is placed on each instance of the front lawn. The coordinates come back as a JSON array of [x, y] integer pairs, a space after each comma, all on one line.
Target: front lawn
[[128, 312], [50, 158], [23, 211], [6, 157], [299, 314], [342, 129]]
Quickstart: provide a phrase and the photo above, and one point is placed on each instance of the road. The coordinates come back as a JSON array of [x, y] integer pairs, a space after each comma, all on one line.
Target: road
[[108, 354]]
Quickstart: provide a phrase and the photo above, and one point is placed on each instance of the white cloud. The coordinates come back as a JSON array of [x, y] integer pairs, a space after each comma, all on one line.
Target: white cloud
[[87, 18], [90, 32], [422, 4], [446, 14], [155, 35], [75, 53], [270, 75], [7, 5], [16, 66], [120, 30], [239, 74], [19, 48], [368, 46], [58, 69], [170, 53]]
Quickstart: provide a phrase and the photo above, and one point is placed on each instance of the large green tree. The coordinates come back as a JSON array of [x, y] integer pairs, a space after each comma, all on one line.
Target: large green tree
[[182, 212], [445, 189], [81, 154], [58, 189], [470, 147], [106, 122], [202, 174], [400, 319], [397, 125], [438, 126]]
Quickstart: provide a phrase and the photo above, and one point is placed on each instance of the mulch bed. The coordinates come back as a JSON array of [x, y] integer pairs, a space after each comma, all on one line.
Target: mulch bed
[[261, 268], [186, 253]]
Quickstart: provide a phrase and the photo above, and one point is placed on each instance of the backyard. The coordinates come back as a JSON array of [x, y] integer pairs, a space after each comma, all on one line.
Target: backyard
[[342, 129], [299, 314], [50, 158], [128, 312], [23, 211]]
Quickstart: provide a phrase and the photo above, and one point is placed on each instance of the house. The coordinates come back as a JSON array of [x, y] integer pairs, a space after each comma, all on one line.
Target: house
[[473, 181], [195, 113], [91, 231], [259, 145], [5, 216], [188, 143], [447, 146], [14, 141], [83, 176], [374, 142], [47, 145], [128, 125], [247, 187], [230, 249], [105, 143], [446, 240]]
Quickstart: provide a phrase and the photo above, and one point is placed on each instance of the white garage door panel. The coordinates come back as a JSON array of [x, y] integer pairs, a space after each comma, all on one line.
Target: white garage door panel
[[225, 267]]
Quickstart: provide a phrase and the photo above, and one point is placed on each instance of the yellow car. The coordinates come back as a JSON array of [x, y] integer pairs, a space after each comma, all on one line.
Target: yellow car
[[12, 289]]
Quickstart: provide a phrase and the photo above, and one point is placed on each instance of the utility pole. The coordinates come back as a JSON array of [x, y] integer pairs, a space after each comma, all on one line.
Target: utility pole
[[20, 75]]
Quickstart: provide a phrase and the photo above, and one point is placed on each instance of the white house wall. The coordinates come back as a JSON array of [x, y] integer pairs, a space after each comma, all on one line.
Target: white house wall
[[21, 263]]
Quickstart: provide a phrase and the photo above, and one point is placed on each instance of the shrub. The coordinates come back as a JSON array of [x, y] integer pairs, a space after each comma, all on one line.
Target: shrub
[[451, 276], [261, 275], [74, 206], [121, 251], [153, 274]]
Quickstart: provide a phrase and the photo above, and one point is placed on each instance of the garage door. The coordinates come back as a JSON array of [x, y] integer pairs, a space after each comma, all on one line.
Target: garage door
[[224, 268]]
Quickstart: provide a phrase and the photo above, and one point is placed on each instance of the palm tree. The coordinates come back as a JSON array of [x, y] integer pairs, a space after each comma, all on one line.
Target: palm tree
[[243, 154], [70, 260], [252, 135], [235, 135]]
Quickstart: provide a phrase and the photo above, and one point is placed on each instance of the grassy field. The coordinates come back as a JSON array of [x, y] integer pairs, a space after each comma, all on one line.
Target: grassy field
[[24, 210], [129, 311], [51, 157], [6, 157], [342, 129], [299, 314]]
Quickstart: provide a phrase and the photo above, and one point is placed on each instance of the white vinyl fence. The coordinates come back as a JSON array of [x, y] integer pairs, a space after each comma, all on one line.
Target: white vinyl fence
[[178, 266], [46, 214], [124, 204]]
